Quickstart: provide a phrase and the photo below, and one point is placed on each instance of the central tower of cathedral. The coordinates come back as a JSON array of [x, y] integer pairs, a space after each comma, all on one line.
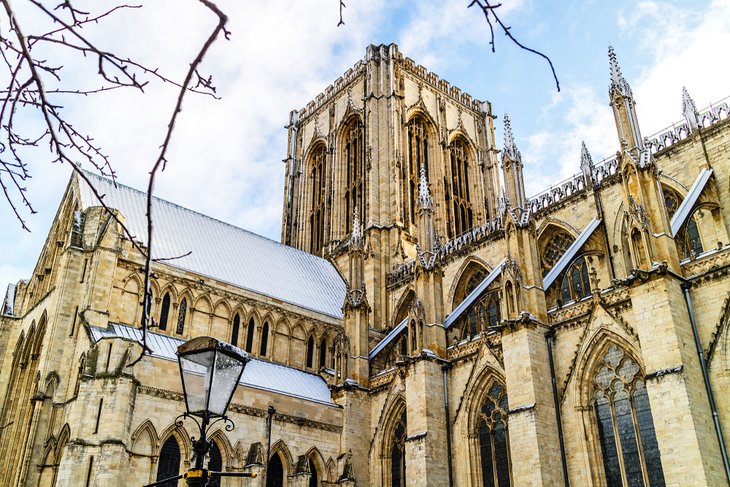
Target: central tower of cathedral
[[362, 145]]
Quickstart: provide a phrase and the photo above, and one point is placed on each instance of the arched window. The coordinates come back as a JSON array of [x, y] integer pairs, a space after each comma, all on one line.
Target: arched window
[[275, 474], [322, 352], [671, 201], [310, 352], [493, 438], [313, 474], [482, 314], [249, 335], [398, 453], [77, 229], [318, 165], [576, 284], [622, 409], [234, 329], [692, 243], [353, 161], [264, 339], [460, 200], [639, 249], [417, 156], [215, 464], [554, 250], [168, 465], [182, 310], [164, 311]]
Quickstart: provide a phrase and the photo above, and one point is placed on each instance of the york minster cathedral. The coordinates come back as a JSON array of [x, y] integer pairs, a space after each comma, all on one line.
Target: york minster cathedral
[[423, 321]]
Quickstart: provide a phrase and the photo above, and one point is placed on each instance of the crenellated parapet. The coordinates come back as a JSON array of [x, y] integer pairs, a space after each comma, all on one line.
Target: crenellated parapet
[[340, 84], [442, 86]]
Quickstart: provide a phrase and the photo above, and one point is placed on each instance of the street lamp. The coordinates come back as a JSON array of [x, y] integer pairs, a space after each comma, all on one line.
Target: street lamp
[[210, 370]]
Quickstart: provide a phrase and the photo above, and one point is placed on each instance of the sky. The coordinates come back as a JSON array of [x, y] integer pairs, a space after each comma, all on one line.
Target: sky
[[226, 154]]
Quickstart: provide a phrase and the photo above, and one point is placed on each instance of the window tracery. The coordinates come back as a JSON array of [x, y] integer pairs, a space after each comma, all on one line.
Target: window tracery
[[460, 204], [318, 164], [181, 312], [398, 453], [554, 250], [491, 431], [354, 170], [417, 156], [576, 285], [482, 314], [169, 461], [629, 448]]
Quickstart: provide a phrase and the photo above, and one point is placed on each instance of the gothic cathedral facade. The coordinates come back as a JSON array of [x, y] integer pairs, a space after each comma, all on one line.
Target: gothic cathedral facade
[[425, 321]]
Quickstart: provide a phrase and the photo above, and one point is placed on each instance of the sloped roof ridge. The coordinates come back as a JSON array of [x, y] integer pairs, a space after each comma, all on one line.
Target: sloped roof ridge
[[179, 206]]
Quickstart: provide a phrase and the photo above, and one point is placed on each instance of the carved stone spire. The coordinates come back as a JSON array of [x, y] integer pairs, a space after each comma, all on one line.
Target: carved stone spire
[[690, 111], [586, 164], [356, 238], [617, 79], [510, 149], [624, 108], [512, 168], [424, 200]]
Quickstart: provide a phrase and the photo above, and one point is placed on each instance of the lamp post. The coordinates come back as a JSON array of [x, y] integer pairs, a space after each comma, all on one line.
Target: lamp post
[[210, 370]]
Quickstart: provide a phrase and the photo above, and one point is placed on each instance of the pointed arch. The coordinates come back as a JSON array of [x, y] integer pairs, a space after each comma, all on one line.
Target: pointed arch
[[331, 470], [400, 312], [186, 445], [421, 137], [468, 278], [279, 448], [317, 178], [224, 444], [352, 169], [317, 460], [460, 167], [392, 451], [144, 439], [203, 304], [222, 308]]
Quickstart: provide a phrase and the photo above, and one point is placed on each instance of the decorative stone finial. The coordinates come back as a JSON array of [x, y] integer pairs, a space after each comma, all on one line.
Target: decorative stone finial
[[356, 238], [510, 149], [617, 79], [690, 111], [586, 164], [424, 200]]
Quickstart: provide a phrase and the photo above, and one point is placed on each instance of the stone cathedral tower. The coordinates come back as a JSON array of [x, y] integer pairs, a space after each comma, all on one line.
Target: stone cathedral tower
[[361, 144]]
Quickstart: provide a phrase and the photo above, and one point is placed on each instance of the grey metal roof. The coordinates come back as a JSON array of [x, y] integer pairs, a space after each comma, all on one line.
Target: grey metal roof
[[569, 254], [685, 208], [474, 295], [9, 302], [388, 338], [225, 252], [258, 374]]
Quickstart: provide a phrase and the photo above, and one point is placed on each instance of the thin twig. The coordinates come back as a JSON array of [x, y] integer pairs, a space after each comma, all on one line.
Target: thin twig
[[491, 10]]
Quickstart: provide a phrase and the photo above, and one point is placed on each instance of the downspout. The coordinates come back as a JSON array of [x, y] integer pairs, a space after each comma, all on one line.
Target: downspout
[[444, 369], [549, 336], [706, 377]]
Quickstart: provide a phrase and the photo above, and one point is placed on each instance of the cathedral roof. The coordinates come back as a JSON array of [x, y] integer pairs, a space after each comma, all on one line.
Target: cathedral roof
[[224, 252], [258, 374]]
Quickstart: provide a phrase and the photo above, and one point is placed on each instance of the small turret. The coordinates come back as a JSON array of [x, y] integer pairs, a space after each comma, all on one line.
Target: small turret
[[426, 230], [624, 110], [690, 111], [586, 164], [512, 168]]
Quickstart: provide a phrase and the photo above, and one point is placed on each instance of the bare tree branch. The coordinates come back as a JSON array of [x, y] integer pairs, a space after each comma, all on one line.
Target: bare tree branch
[[490, 11]]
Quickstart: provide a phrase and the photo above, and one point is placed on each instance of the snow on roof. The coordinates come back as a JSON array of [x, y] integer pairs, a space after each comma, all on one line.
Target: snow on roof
[[474, 295], [224, 252], [685, 208], [8, 303], [569, 254], [388, 338], [258, 374]]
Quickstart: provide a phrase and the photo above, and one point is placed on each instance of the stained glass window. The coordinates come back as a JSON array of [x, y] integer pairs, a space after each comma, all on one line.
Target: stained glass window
[[576, 284], [168, 464], [493, 438], [461, 219], [353, 161], [629, 447], [398, 453], [417, 156], [182, 310], [319, 186], [164, 311], [554, 250], [310, 352], [264, 339]]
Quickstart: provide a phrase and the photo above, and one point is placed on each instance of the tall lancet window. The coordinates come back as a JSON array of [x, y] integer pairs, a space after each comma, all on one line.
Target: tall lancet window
[[625, 425], [461, 219], [318, 173], [398, 453], [354, 170], [417, 155], [493, 440]]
